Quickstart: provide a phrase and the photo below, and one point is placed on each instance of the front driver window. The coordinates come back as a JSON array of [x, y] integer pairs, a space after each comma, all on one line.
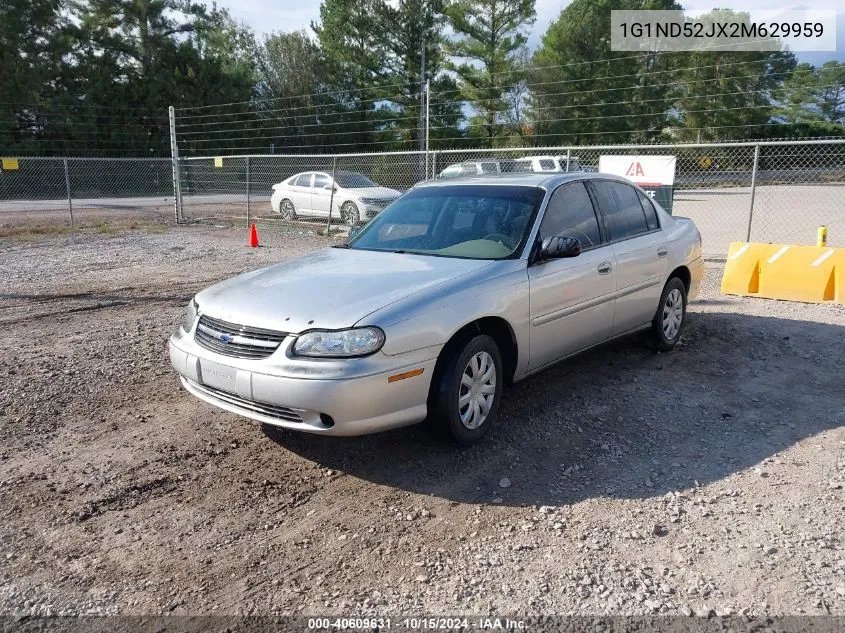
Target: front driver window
[[570, 212]]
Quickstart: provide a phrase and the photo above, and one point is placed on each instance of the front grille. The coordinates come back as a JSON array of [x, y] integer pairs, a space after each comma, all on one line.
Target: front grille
[[240, 341], [270, 410]]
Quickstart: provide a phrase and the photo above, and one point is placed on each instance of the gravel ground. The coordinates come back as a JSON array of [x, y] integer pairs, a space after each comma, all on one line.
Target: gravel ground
[[708, 480]]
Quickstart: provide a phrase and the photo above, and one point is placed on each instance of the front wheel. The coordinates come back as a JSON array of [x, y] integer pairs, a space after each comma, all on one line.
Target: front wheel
[[671, 315], [349, 214], [470, 391]]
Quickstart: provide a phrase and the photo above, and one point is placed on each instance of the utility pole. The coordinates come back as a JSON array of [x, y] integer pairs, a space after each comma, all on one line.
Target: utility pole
[[427, 125], [423, 92], [422, 133]]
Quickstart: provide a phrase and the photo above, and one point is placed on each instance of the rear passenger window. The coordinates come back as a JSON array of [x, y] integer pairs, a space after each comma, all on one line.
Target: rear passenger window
[[650, 212], [622, 209], [570, 212], [547, 165]]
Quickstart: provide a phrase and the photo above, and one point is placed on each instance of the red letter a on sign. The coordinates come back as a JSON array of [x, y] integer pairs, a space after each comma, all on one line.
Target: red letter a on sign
[[635, 169]]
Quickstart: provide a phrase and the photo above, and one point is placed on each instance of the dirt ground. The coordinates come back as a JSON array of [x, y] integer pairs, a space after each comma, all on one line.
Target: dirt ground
[[708, 480]]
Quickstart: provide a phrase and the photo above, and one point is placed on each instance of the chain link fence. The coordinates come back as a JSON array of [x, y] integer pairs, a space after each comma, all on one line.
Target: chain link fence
[[68, 192], [765, 192]]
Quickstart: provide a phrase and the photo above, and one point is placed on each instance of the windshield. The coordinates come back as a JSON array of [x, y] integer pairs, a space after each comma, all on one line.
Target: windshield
[[471, 221], [351, 180]]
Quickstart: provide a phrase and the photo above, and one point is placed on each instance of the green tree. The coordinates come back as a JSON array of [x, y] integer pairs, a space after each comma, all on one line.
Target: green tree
[[727, 94], [353, 45], [381, 53], [32, 72], [297, 105], [349, 36], [584, 93], [489, 37], [815, 94], [413, 32], [145, 55], [831, 92]]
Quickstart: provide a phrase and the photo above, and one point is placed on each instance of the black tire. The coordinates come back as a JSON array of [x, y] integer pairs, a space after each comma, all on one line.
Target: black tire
[[448, 415], [349, 214], [665, 329], [287, 209]]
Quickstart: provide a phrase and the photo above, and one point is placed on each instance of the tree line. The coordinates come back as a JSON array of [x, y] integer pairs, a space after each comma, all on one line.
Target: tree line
[[96, 77]]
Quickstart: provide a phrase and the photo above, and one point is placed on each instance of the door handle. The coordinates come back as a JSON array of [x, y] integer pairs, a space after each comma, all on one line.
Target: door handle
[[662, 251], [604, 268]]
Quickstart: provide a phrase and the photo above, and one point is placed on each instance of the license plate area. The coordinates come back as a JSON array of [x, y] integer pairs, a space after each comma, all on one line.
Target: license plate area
[[218, 376]]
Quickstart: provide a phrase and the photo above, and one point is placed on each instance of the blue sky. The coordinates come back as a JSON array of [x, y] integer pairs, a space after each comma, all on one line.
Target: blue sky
[[267, 16]]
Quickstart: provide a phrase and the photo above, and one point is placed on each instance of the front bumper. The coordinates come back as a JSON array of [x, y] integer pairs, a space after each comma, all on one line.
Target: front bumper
[[369, 211], [372, 209], [330, 397]]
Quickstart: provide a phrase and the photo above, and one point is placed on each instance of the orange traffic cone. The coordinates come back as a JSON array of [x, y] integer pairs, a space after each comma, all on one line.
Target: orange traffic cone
[[253, 236]]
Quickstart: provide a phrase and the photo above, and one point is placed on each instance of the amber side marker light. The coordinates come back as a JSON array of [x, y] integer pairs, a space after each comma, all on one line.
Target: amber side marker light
[[407, 374]]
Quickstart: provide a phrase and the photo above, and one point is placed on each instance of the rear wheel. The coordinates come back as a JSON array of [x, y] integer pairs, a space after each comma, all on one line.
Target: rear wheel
[[470, 389], [671, 315], [287, 210]]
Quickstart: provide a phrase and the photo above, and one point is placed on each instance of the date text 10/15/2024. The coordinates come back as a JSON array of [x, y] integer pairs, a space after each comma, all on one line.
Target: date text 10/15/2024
[[421, 623]]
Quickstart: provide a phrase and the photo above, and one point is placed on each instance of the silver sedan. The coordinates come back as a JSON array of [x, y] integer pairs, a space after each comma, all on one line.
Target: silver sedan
[[456, 289]]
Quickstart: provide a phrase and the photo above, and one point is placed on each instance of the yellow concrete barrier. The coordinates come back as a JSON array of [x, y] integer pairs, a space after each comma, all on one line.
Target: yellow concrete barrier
[[813, 274]]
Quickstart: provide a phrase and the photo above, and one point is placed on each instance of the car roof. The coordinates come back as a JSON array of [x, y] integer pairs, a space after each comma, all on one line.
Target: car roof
[[544, 180], [339, 172]]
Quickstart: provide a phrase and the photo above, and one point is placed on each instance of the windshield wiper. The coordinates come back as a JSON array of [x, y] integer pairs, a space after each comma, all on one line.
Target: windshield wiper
[[341, 245], [400, 252]]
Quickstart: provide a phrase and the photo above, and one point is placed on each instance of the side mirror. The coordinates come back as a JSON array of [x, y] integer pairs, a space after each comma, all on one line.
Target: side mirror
[[327, 187], [560, 246]]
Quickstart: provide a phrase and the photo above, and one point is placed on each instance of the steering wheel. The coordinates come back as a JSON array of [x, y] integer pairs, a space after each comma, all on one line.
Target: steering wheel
[[501, 238]]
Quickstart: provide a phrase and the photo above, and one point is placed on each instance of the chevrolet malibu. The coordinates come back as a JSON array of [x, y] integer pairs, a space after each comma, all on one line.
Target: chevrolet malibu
[[456, 289]]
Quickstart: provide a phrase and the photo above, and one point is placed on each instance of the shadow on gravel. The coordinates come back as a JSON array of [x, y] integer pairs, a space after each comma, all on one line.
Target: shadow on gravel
[[622, 421]]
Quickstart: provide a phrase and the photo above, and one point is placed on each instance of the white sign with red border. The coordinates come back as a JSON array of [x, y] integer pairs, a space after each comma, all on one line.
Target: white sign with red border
[[646, 171]]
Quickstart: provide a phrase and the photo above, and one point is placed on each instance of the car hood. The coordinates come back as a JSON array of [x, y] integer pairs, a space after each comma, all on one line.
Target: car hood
[[373, 192], [332, 288]]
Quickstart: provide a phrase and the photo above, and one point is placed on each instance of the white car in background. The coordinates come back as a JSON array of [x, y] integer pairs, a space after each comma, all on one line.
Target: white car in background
[[550, 163], [485, 167], [356, 198]]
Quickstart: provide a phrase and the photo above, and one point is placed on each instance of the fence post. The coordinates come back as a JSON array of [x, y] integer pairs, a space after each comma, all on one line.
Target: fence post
[[331, 197], [433, 164], [568, 155], [247, 192], [174, 158], [69, 195], [753, 190]]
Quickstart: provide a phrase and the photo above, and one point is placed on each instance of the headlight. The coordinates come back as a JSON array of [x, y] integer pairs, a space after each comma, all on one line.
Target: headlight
[[190, 316], [339, 344]]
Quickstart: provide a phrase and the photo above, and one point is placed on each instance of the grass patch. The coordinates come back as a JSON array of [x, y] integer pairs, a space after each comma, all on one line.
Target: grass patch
[[99, 227], [30, 233]]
